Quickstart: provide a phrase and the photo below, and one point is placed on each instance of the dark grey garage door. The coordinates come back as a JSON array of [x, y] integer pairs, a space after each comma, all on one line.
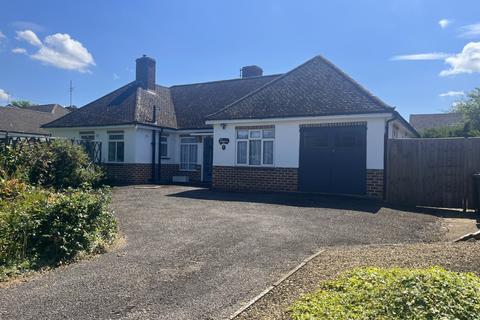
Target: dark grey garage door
[[333, 159]]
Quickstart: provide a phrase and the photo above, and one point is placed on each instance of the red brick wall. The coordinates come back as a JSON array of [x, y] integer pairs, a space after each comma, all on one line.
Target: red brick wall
[[170, 170], [255, 179], [141, 173], [277, 179], [375, 183], [129, 173]]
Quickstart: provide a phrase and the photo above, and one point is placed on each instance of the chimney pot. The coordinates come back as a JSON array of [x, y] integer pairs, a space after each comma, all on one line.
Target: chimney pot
[[251, 71], [145, 72]]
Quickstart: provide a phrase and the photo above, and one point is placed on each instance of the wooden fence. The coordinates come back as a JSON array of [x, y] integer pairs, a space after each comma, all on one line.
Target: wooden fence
[[432, 172]]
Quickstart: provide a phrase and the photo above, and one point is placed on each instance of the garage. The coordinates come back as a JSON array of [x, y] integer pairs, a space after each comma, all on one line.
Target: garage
[[333, 159]]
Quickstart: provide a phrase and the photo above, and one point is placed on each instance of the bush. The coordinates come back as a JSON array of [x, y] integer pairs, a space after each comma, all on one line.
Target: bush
[[372, 293], [451, 131], [40, 227], [58, 164]]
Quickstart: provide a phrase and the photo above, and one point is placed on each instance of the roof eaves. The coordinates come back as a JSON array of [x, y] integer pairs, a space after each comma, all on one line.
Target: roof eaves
[[310, 115], [407, 124]]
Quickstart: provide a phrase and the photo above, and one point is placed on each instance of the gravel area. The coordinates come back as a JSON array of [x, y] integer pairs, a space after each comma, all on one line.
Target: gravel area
[[464, 256], [192, 253]]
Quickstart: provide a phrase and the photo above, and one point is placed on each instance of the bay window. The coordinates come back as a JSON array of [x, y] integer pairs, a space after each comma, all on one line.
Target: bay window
[[255, 146], [188, 153]]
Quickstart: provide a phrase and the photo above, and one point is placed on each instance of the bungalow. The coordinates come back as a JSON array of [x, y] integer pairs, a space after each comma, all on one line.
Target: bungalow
[[312, 129]]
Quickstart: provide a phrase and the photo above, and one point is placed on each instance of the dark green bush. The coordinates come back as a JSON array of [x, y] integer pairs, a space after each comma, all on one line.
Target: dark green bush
[[58, 164], [41, 227], [372, 293]]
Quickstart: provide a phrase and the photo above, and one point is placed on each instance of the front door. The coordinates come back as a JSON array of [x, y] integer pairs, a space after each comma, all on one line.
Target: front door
[[207, 158], [333, 159]]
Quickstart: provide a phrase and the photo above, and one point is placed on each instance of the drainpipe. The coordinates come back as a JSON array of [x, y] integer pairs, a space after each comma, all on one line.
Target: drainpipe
[[159, 170], [385, 149], [154, 134]]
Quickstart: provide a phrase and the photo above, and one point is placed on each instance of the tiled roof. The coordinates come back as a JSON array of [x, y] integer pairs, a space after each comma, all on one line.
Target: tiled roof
[[435, 120], [194, 102], [22, 120], [51, 108], [183, 106], [316, 88]]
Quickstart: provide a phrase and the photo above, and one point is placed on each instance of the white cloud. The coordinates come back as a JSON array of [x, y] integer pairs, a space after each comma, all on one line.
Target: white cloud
[[4, 96], [59, 50], [444, 23], [423, 56], [19, 50], [471, 30], [467, 61], [452, 94], [2, 35], [30, 37], [115, 76]]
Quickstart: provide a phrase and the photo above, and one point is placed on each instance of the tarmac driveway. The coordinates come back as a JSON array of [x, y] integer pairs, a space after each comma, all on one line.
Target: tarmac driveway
[[196, 254]]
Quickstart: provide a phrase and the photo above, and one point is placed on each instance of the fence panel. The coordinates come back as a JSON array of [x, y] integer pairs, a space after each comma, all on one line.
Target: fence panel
[[432, 172]]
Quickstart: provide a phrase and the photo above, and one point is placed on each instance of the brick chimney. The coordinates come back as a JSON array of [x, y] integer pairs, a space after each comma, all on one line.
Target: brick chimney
[[251, 71], [145, 72]]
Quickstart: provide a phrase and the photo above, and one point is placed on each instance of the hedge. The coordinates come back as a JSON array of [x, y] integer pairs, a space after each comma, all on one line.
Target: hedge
[[41, 227]]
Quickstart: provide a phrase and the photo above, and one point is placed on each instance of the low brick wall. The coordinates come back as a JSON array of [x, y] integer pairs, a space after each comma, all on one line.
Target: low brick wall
[[255, 179], [170, 170], [128, 173], [375, 183], [141, 173]]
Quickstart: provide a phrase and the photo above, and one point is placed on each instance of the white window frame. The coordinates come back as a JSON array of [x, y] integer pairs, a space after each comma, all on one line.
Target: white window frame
[[164, 141], [115, 141], [191, 166], [249, 138], [87, 135]]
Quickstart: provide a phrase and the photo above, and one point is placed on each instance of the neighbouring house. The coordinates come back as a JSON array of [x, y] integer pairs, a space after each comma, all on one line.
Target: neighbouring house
[[312, 129], [426, 121], [28, 121]]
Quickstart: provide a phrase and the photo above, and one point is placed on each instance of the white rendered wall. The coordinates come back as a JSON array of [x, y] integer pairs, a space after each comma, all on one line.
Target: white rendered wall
[[173, 148], [402, 132], [287, 140], [101, 135]]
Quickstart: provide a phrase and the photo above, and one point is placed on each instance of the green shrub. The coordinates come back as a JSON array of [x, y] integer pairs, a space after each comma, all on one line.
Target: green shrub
[[372, 293], [40, 227], [450, 132], [58, 164]]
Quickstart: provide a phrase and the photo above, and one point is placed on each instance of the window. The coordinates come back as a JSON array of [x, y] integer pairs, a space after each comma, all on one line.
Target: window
[[116, 146], [87, 135], [188, 153], [164, 146], [255, 147]]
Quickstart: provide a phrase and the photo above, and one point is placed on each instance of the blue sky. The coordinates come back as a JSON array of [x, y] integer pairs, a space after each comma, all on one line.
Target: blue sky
[[407, 52]]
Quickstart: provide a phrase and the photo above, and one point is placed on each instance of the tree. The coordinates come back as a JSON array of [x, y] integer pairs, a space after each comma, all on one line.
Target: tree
[[21, 103], [470, 109]]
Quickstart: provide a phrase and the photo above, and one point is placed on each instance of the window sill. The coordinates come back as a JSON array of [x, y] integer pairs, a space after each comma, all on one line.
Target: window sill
[[187, 170], [165, 158], [265, 166]]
